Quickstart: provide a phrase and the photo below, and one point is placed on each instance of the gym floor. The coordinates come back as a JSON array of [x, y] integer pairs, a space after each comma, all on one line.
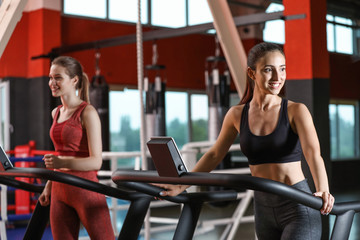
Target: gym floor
[[245, 230]]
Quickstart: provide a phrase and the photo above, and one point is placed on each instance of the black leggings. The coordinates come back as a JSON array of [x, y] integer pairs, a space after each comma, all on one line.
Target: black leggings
[[280, 218]]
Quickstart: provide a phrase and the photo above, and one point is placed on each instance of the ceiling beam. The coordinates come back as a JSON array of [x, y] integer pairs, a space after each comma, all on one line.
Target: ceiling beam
[[10, 15], [166, 33]]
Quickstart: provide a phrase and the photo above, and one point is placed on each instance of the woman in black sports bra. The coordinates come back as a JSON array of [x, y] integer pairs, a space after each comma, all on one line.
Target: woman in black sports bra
[[274, 133]]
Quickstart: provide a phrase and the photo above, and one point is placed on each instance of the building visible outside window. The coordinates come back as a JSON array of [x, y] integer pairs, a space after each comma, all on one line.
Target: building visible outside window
[[344, 143]]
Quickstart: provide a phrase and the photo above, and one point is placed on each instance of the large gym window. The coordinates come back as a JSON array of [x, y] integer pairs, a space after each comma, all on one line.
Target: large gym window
[[344, 130], [167, 13], [161, 13], [340, 35], [125, 118], [198, 12], [86, 8], [126, 11], [199, 117], [274, 31]]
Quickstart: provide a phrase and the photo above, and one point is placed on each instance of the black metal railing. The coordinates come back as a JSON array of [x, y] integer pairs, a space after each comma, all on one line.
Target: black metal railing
[[344, 211]]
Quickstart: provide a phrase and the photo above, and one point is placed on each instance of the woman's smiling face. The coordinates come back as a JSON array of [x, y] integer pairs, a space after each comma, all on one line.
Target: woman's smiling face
[[59, 81], [270, 73]]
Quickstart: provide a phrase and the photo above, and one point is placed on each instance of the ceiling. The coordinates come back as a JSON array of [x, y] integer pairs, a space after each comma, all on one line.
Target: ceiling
[[344, 8]]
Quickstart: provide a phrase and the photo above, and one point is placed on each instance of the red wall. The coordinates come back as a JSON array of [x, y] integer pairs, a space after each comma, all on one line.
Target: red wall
[[13, 62], [41, 30], [36, 33], [184, 57], [344, 76]]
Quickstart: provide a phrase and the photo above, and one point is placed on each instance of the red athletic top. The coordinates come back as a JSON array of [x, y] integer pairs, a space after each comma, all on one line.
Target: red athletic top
[[69, 137]]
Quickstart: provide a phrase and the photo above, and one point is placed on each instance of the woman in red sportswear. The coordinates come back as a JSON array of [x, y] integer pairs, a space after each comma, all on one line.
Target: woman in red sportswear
[[76, 134]]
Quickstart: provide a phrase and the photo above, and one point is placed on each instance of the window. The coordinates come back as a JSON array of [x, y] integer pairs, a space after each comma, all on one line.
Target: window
[[344, 143], [125, 118], [199, 12], [4, 115], [167, 13], [87, 8], [126, 11], [162, 13], [199, 117], [274, 31], [124, 124], [340, 36]]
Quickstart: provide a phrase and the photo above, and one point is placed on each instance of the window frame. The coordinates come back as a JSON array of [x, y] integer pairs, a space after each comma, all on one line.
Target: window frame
[[149, 15], [354, 103], [189, 93], [5, 127], [353, 28]]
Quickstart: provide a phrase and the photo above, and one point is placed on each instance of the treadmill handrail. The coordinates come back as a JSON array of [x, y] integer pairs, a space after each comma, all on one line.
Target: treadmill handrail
[[234, 181], [71, 180], [107, 190]]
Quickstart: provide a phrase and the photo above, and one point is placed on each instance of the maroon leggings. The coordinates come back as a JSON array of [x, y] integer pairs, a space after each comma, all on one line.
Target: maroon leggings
[[70, 205]]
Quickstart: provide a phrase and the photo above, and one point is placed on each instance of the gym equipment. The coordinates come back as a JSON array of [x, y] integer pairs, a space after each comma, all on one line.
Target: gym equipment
[[24, 201], [344, 211], [155, 97], [191, 210], [99, 98], [166, 157], [217, 81], [139, 202], [154, 100]]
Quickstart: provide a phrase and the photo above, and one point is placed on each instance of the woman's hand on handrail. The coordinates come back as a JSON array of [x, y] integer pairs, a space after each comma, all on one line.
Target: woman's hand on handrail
[[328, 202], [170, 189]]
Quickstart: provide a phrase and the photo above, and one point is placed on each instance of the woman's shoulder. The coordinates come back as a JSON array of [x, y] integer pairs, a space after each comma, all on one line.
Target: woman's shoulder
[[297, 109], [53, 112], [236, 111], [89, 110], [296, 106]]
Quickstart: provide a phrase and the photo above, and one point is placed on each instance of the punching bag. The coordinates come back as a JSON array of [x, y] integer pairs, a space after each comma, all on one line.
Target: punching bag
[[99, 98]]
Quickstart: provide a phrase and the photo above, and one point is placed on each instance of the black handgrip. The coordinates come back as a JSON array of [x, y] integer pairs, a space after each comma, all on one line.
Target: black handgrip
[[184, 197]]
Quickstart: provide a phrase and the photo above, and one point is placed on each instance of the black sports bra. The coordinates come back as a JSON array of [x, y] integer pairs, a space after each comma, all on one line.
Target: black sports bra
[[280, 146]]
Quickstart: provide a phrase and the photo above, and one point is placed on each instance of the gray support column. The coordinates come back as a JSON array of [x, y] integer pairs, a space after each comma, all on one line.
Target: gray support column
[[315, 94], [30, 111]]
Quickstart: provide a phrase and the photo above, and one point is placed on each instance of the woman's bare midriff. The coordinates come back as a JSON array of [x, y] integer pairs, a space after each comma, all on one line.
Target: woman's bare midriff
[[288, 173]]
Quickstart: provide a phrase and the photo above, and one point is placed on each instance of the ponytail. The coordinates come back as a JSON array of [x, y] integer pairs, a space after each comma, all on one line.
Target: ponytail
[[249, 91], [83, 87]]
